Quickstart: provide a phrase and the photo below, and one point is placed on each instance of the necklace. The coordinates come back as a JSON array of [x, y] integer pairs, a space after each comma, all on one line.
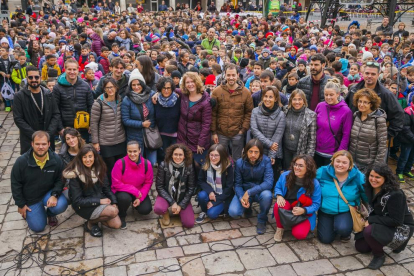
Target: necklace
[[291, 135], [41, 96]]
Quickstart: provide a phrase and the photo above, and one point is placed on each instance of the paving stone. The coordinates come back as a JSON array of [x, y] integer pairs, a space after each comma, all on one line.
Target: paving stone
[[245, 242], [240, 223], [166, 253], [116, 271], [120, 260], [78, 267], [266, 239], [3, 209], [345, 248], [207, 227], [365, 272], [154, 267], [145, 256], [192, 266], [221, 245], [92, 241], [93, 253], [258, 272], [346, 263], [251, 231], [173, 231], [313, 268], [5, 198], [171, 242], [305, 249], [325, 250], [222, 262], [195, 230], [196, 249], [283, 254], [11, 240], [392, 270], [13, 216], [221, 225], [5, 189], [66, 249], [255, 258], [77, 232], [33, 271], [405, 256], [409, 267], [189, 239], [366, 259], [285, 270], [220, 235]]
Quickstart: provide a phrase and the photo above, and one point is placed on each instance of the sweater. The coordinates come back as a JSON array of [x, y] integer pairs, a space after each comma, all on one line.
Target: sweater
[[169, 126]]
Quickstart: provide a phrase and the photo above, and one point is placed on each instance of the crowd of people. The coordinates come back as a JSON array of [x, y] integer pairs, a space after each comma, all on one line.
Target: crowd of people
[[226, 110]]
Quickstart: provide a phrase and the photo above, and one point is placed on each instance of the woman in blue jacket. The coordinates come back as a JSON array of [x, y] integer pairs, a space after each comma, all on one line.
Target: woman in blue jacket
[[298, 185], [136, 105], [334, 217], [253, 183]]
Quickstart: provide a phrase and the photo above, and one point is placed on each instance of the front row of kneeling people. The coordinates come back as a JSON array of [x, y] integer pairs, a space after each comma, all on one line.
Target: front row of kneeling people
[[222, 186]]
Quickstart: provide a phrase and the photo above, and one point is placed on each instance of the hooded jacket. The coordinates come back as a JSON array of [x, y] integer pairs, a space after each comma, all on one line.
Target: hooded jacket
[[232, 112], [97, 43], [368, 143], [353, 190], [71, 99], [340, 119]]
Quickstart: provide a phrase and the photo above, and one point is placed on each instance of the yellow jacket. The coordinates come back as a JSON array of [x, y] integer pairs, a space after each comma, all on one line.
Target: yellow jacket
[[44, 71]]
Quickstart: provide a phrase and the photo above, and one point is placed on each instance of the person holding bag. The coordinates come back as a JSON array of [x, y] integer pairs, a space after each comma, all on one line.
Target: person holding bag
[[390, 223], [334, 217], [298, 185]]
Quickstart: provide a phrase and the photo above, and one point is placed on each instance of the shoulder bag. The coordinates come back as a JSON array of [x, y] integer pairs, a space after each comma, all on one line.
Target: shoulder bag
[[152, 137]]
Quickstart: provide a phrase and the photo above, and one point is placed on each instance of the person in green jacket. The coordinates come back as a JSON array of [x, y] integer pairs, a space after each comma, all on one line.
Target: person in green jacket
[[334, 217], [19, 70], [210, 41]]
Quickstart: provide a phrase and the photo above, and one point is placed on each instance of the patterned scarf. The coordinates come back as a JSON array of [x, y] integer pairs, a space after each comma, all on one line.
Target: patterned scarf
[[169, 101], [215, 184], [175, 175]]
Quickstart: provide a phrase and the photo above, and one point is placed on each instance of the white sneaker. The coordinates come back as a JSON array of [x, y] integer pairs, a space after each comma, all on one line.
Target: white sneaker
[[279, 234]]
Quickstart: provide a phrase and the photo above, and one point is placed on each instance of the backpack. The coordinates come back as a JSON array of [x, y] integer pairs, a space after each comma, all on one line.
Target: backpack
[[123, 165]]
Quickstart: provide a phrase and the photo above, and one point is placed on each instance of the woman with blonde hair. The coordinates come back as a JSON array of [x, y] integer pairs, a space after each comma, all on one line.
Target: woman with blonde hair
[[300, 130]]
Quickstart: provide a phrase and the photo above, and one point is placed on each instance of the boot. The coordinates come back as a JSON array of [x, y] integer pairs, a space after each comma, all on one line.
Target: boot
[[376, 262], [166, 219], [279, 234]]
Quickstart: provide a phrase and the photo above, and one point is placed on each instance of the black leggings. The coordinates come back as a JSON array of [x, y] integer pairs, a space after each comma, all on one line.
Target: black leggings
[[125, 200], [110, 163], [322, 161]]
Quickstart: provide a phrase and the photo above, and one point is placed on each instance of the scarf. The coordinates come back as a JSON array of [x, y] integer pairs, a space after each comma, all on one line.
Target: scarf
[[175, 175], [266, 111], [169, 101], [139, 98], [215, 184], [290, 89]]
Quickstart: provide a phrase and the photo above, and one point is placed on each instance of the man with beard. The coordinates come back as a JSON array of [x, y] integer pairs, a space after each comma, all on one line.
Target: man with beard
[[34, 108], [314, 85], [36, 182], [231, 114], [109, 39], [209, 42]]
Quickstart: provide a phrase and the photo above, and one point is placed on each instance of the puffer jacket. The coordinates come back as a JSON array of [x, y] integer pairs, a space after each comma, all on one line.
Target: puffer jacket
[[131, 117], [305, 84], [368, 143], [269, 129], [194, 123], [353, 190], [232, 111], [106, 123], [187, 190], [406, 136], [307, 138], [71, 99], [97, 43]]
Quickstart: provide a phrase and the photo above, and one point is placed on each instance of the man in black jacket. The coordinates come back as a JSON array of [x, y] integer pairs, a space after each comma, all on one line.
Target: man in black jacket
[[385, 27], [34, 108], [36, 182], [72, 94], [394, 111], [117, 68]]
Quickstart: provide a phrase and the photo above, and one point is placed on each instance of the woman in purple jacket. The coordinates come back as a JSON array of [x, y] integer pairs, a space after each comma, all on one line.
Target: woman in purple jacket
[[334, 124], [195, 117]]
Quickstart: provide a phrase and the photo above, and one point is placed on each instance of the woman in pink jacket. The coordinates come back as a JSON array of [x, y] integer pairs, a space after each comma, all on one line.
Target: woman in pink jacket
[[132, 178]]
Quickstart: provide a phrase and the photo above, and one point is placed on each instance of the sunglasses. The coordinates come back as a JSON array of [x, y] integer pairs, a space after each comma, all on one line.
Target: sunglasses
[[33, 77], [371, 63]]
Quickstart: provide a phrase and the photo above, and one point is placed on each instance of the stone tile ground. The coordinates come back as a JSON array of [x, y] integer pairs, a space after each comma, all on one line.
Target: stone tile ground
[[221, 247]]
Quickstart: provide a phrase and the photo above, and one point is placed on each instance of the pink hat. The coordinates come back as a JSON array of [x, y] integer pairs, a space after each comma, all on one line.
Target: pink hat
[[80, 19]]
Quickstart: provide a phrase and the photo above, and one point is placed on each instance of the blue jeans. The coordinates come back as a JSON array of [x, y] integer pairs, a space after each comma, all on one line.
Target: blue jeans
[[331, 225], [151, 155], [166, 142], [37, 218], [264, 199], [406, 159], [214, 211]]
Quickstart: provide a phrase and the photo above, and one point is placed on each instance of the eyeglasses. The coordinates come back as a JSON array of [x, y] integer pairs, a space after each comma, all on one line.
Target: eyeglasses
[[33, 77], [298, 166], [373, 63], [166, 88], [214, 156], [363, 102], [109, 88]]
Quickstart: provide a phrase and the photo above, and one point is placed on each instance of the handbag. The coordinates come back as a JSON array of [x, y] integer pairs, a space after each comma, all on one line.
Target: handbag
[[288, 219], [357, 219], [152, 137], [7, 91]]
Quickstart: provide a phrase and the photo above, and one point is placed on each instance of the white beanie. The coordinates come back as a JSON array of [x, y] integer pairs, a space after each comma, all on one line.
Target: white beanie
[[5, 40], [93, 66], [135, 75], [367, 55]]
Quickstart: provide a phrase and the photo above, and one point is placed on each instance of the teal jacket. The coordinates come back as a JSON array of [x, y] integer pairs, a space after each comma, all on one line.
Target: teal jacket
[[353, 190]]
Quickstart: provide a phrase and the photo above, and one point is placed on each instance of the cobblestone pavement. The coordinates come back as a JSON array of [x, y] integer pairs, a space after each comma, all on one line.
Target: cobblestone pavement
[[220, 247]]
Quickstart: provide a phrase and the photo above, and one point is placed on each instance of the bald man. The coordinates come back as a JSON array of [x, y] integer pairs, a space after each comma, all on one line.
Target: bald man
[[209, 42], [109, 39]]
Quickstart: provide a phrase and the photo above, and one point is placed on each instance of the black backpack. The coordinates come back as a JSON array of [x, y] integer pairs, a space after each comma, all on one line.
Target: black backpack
[[123, 165]]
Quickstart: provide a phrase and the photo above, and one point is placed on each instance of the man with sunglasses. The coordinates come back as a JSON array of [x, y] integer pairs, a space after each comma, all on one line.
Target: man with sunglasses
[[34, 109], [389, 102]]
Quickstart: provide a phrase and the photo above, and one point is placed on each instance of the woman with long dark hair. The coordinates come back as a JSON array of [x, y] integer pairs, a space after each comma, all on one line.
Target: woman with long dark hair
[[390, 222], [72, 143], [146, 68], [298, 185], [90, 192]]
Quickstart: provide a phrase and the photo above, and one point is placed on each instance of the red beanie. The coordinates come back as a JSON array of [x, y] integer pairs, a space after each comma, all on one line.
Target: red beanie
[[210, 80]]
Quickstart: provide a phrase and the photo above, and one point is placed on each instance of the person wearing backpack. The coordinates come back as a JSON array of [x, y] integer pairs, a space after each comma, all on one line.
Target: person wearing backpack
[[19, 70], [132, 178], [6, 63]]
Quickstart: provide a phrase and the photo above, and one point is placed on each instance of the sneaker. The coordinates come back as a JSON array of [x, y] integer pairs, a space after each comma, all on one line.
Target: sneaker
[[345, 239], [409, 175], [201, 217], [279, 234], [52, 221], [376, 262], [401, 178], [123, 224], [7, 109], [261, 228]]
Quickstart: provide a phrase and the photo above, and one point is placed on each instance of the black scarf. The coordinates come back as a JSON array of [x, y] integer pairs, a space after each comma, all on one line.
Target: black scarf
[[266, 111], [290, 89]]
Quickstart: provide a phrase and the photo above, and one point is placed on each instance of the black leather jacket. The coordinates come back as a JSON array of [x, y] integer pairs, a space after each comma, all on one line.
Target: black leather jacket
[[162, 183]]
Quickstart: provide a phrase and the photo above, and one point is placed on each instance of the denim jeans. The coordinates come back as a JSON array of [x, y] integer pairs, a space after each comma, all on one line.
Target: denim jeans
[[166, 142], [37, 218], [151, 155], [331, 225], [214, 211], [264, 199], [406, 159]]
